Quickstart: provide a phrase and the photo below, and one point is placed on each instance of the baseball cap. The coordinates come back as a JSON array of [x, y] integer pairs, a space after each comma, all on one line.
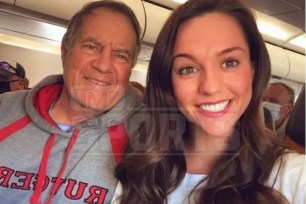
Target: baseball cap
[[20, 72], [13, 68]]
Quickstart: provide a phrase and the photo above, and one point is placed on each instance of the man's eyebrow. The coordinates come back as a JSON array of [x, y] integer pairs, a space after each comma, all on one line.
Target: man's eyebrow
[[122, 50], [93, 40]]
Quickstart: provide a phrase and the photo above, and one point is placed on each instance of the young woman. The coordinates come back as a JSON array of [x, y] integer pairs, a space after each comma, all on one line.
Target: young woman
[[210, 66]]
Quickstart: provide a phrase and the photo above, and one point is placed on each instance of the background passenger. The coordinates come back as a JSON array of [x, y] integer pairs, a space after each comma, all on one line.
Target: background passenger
[[209, 65], [15, 81], [26, 83], [279, 99]]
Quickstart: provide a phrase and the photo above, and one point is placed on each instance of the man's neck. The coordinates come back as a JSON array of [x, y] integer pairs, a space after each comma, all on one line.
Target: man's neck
[[69, 112]]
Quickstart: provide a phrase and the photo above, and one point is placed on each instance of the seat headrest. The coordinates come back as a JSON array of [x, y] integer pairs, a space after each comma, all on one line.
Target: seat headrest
[[295, 128]]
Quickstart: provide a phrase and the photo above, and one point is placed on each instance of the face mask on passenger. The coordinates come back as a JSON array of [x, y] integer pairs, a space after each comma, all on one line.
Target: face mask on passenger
[[274, 108]]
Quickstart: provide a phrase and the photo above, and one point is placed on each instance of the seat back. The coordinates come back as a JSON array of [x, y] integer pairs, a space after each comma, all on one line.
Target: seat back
[[295, 128]]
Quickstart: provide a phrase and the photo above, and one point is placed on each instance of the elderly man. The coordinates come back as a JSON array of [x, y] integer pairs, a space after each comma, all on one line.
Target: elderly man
[[60, 141], [279, 99]]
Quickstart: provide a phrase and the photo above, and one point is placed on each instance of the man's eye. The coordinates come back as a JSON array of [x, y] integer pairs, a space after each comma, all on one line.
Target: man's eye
[[91, 47], [187, 70], [123, 56]]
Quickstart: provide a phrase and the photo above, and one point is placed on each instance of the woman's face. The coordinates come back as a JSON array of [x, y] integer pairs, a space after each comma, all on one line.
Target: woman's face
[[212, 72]]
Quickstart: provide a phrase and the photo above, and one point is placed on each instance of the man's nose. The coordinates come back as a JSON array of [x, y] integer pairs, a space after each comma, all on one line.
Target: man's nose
[[103, 62]]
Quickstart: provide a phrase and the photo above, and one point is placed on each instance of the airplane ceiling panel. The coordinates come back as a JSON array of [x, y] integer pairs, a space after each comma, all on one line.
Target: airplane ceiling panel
[[58, 8], [296, 18], [66, 9], [295, 44], [300, 3], [274, 30], [166, 3], [296, 66], [9, 22], [279, 61], [8, 1], [272, 7], [290, 11], [156, 17], [31, 27], [137, 7]]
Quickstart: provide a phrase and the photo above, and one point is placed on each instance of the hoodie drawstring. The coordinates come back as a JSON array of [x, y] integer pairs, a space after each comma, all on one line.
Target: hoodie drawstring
[[35, 198]]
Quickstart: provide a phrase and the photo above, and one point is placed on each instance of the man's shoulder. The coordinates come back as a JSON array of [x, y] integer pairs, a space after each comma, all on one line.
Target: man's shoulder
[[12, 98]]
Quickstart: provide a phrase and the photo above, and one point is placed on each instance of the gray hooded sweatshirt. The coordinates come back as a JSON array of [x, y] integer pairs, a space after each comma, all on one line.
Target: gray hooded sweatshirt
[[39, 163]]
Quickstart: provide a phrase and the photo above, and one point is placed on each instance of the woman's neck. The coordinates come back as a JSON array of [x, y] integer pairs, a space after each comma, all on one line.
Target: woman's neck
[[203, 150]]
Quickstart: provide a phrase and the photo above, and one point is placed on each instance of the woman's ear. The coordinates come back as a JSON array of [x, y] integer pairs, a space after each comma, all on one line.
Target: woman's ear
[[253, 70]]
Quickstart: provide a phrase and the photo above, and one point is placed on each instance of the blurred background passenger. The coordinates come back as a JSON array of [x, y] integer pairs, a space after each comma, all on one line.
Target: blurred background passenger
[[26, 83], [279, 100], [16, 79]]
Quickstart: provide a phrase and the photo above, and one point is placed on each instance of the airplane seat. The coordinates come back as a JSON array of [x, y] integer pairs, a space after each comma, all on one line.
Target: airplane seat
[[295, 128]]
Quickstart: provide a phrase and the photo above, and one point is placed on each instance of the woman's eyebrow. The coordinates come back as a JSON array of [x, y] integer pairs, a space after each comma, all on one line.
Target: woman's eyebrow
[[185, 55], [231, 49]]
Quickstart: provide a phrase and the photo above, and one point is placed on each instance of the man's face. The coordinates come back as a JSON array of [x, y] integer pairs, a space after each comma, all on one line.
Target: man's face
[[279, 95], [16, 83], [98, 65]]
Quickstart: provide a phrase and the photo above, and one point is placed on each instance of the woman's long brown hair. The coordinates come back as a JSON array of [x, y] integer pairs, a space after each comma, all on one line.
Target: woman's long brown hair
[[154, 164]]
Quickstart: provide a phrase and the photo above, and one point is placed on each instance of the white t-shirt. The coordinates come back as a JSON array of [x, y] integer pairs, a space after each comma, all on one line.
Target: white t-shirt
[[290, 182]]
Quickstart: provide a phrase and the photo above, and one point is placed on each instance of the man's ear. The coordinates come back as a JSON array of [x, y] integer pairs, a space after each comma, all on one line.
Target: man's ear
[[63, 52], [290, 107]]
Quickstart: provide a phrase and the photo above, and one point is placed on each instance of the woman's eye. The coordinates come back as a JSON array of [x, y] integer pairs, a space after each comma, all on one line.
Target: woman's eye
[[230, 63], [187, 70]]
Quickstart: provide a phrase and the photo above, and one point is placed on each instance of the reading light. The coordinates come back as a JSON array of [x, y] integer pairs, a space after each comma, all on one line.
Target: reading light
[[299, 41], [180, 1], [273, 30]]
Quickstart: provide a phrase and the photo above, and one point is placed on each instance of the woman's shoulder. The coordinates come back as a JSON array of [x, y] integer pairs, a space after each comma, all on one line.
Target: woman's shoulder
[[291, 163], [291, 158], [288, 177]]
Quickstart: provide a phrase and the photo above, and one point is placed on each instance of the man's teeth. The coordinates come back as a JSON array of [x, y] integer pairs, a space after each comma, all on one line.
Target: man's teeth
[[96, 82], [215, 107]]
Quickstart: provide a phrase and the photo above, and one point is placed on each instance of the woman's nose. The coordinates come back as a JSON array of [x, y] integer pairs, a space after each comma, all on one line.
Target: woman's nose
[[210, 81]]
